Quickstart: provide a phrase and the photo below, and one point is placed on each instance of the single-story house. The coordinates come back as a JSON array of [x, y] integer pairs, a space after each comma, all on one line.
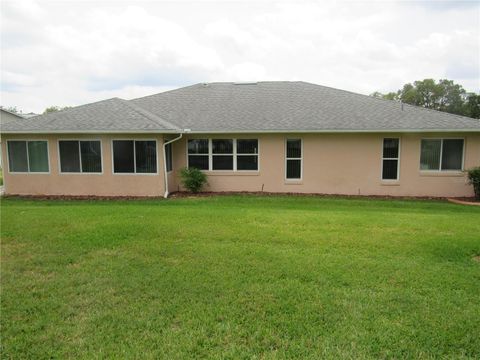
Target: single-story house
[[267, 136]]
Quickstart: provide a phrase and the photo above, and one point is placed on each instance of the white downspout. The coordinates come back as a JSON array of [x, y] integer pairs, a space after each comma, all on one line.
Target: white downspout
[[165, 174]]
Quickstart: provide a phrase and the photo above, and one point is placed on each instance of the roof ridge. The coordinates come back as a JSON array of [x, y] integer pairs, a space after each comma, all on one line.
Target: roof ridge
[[150, 115], [164, 92]]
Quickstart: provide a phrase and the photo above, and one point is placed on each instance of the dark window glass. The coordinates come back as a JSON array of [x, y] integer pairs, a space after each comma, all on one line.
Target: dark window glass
[[430, 154], [390, 169], [69, 156], [294, 148], [198, 146], [452, 154], [198, 161], [222, 162], [294, 169], [390, 148], [169, 157], [91, 156], [38, 156], [247, 162], [247, 146], [222, 146], [17, 156], [123, 161], [146, 156]]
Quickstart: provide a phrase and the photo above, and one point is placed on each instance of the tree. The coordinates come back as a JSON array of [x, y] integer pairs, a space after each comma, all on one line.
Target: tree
[[472, 106], [12, 109], [52, 109], [443, 95]]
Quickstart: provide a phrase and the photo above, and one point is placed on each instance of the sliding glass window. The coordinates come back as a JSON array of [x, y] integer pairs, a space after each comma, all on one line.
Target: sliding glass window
[[25, 156], [80, 156], [134, 156]]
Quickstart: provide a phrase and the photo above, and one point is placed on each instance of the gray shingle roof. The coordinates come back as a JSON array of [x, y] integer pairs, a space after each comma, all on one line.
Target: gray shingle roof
[[254, 107], [292, 106], [112, 115]]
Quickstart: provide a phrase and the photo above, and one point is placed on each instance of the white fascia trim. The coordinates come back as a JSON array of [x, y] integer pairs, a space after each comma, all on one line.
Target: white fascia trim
[[178, 131], [293, 131], [93, 132]]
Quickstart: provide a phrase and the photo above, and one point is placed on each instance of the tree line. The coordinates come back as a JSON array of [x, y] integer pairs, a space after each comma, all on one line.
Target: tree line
[[443, 95]]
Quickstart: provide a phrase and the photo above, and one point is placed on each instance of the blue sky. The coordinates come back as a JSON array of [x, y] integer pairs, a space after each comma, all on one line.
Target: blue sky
[[73, 52]]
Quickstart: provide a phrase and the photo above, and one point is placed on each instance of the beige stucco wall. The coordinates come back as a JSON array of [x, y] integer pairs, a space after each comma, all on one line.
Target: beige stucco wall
[[341, 164], [332, 164], [105, 184]]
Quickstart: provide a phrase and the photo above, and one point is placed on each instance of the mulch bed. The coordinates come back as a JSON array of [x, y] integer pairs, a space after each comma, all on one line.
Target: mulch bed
[[182, 194]]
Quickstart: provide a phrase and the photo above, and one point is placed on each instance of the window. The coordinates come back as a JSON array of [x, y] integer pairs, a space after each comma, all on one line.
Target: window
[[247, 154], [441, 154], [293, 159], [198, 154], [223, 154], [168, 157], [222, 158], [390, 158], [80, 156], [135, 156], [28, 156]]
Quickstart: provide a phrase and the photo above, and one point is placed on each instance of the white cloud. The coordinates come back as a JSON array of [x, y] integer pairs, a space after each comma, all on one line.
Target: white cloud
[[70, 53]]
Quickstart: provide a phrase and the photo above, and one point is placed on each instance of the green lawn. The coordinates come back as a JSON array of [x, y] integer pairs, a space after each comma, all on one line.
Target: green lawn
[[240, 277]]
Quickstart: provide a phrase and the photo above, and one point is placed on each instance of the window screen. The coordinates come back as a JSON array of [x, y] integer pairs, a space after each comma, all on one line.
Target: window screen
[[123, 156], [441, 154], [222, 150], [294, 159], [452, 154], [28, 156], [69, 156], [91, 155], [80, 156], [247, 154], [169, 157], [390, 158], [198, 154], [17, 156], [146, 156]]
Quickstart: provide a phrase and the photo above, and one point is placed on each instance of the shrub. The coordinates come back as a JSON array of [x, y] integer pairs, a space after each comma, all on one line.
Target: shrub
[[193, 179], [474, 178]]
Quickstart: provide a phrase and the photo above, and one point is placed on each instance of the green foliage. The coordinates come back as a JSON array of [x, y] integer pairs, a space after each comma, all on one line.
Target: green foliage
[[12, 109], [474, 178], [443, 95], [52, 109], [240, 277], [193, 179]]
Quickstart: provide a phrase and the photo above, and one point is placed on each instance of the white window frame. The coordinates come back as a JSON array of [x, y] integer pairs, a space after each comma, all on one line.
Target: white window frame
[[234, 154], [134, 173], [397, 158], [300, 158], [440, 170], [80, 157], [28, 158]]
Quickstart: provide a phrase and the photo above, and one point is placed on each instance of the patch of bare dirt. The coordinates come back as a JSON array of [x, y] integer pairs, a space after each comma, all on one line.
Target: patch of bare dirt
[[476, 258]]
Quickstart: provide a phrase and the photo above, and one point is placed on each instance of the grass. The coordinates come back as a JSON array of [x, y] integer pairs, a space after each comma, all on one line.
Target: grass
[[240, 277]]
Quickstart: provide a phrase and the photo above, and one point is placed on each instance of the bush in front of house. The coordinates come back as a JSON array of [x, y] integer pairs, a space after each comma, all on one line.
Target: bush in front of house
[[193, 179], [474, 178]]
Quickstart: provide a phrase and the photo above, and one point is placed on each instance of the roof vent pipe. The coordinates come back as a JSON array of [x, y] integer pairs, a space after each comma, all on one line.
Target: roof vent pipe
[[401, 104]]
